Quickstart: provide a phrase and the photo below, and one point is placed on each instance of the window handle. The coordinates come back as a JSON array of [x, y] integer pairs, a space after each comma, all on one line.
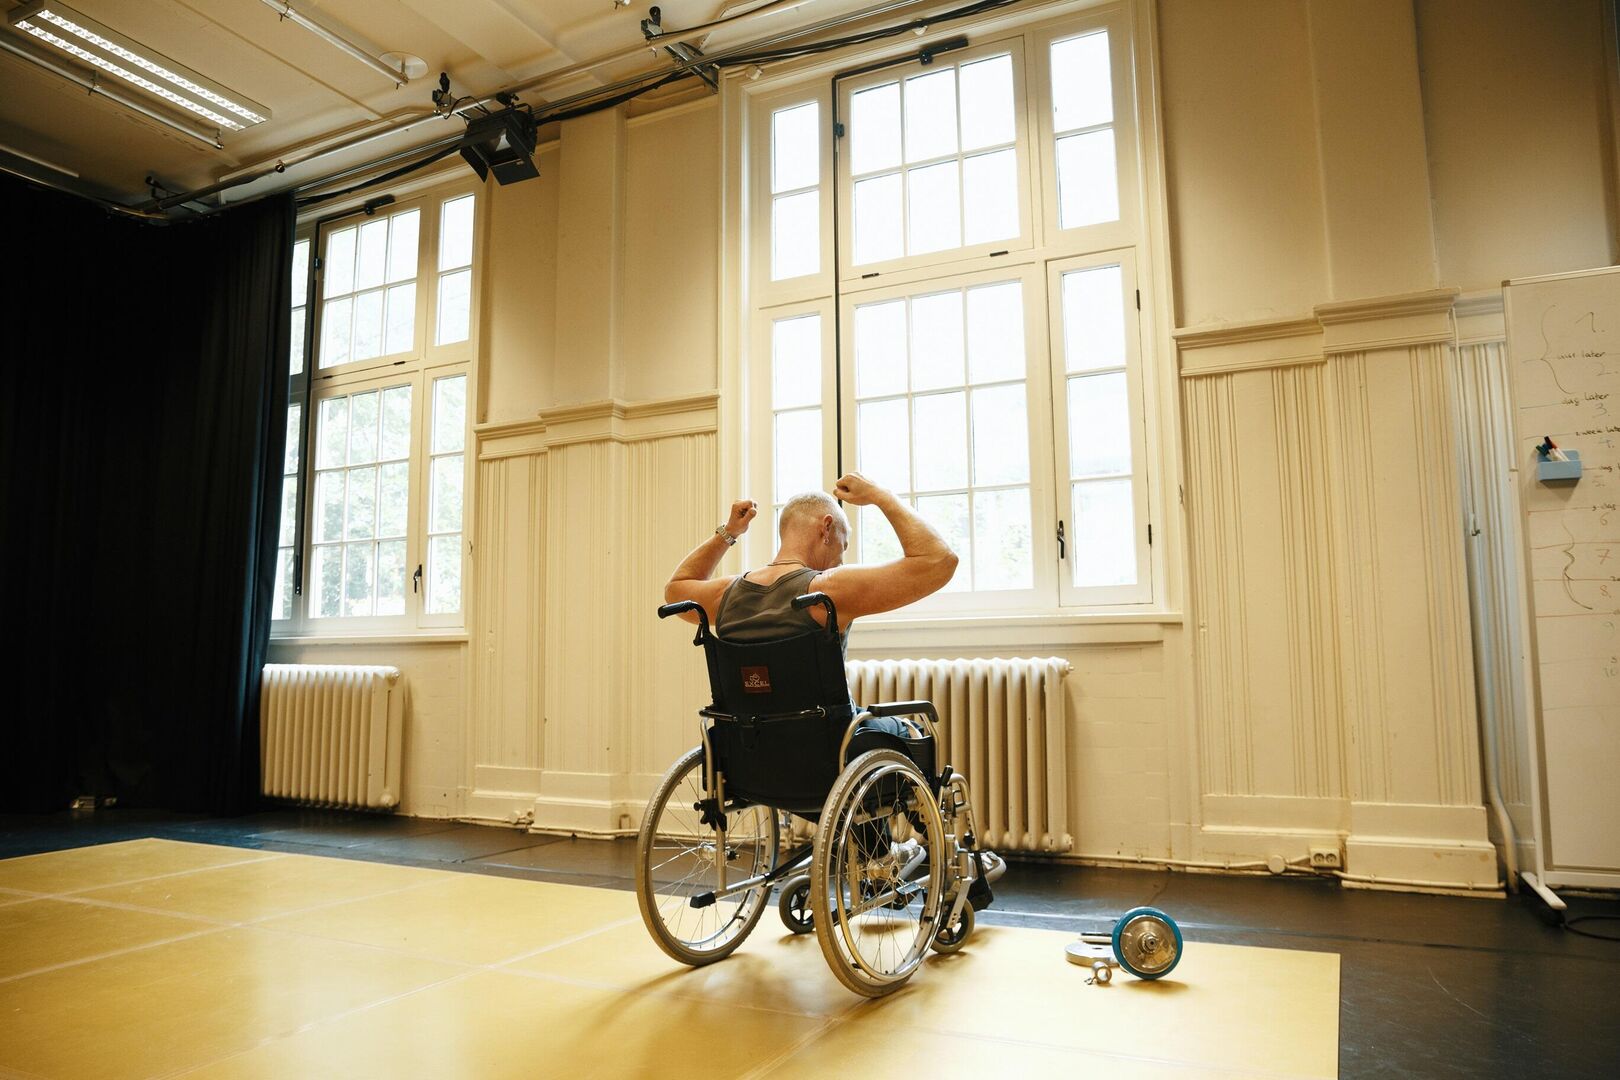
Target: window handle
[[416, 579], [1061, 545]]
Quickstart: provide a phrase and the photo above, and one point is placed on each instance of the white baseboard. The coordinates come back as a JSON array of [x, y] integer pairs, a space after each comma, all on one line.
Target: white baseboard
[[586, 804]]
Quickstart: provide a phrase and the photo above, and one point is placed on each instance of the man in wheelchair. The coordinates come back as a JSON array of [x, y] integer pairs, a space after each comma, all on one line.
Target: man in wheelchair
[[895, 867]]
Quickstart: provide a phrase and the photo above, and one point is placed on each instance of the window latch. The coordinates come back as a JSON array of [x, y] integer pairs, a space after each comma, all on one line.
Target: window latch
[[1062, 546], [416, 579]]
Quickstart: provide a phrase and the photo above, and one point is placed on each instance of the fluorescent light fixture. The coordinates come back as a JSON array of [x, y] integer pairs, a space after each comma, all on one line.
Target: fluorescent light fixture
[[107, 50]]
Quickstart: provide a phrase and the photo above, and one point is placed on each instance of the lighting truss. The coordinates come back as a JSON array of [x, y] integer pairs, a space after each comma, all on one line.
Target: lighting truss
[[107, 50]]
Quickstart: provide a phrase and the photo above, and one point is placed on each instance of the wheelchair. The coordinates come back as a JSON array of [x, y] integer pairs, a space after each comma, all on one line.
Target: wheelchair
[[892, 868]]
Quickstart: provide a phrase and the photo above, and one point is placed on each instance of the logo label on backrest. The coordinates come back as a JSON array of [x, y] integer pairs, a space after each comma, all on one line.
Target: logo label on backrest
[[756, 680]]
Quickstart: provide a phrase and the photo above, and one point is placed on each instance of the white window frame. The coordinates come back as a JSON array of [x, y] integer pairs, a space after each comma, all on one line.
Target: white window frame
[[887, 270], [1046, 251], [425, 362]]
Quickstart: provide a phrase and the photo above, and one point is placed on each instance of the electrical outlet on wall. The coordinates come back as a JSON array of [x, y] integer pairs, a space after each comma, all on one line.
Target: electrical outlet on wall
[[1326, 858]]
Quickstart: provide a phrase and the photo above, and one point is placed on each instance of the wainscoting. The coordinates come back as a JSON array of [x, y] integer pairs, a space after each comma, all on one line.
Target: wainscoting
[[1335, 693]]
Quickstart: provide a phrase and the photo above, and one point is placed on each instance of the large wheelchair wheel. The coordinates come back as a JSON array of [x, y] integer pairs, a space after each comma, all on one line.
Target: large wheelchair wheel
[[679, 859], [877, 880]]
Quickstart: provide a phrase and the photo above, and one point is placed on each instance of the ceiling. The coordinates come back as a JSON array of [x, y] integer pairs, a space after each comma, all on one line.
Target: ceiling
[[315, 92]]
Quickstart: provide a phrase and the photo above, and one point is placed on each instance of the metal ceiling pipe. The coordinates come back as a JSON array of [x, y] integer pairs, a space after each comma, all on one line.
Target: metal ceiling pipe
[[93, 84], [284, 9], [537, 83]]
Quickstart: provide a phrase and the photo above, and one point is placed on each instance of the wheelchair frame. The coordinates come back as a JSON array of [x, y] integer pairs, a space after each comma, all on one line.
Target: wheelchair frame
[[947, 908]]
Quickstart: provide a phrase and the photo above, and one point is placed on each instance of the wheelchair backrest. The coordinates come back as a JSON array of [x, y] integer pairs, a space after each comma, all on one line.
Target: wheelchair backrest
[[771, 678]]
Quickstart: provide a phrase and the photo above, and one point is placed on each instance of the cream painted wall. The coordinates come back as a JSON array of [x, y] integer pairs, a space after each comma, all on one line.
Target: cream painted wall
[[1515, 110], [1241, 160], [520, 294], [672, 253]]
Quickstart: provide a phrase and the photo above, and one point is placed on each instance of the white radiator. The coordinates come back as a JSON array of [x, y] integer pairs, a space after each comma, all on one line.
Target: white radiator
[[329, 734], [1002, 726]]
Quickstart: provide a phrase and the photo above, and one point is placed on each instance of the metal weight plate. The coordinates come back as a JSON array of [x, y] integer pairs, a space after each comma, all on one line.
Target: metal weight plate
[[1147, 943]]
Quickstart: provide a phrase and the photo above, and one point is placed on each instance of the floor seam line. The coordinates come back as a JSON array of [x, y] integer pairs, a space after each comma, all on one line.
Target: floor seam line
[[112, 954]]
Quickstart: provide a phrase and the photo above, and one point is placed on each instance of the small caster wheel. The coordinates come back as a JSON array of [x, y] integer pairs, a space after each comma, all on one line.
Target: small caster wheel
[[1147, 943], [951, 938], [794, 905]]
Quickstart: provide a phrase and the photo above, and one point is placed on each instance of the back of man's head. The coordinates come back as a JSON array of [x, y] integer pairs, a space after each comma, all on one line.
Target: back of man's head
[[804, 513]]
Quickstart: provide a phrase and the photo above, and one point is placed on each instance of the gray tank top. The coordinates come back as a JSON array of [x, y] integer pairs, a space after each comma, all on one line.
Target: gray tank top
[[753, 612]]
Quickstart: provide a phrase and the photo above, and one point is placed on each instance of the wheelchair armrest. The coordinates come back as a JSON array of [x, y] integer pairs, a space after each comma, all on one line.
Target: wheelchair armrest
[[905, 708]]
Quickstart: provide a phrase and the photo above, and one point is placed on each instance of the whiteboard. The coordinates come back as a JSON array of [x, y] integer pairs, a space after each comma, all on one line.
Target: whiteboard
[[1563, 339]]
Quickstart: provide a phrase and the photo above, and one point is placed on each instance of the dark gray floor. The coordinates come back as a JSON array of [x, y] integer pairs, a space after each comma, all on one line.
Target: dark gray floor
[[1431, 986]]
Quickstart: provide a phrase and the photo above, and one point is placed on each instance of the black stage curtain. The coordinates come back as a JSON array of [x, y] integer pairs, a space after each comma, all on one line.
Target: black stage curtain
[[143, 411]]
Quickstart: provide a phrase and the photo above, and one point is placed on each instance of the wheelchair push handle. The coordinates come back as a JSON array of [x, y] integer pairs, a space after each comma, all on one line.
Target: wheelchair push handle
[[802, 602], [682, 606]]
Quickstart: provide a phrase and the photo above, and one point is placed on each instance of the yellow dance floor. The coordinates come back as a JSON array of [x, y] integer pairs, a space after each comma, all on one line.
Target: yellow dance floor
[[153, 958]]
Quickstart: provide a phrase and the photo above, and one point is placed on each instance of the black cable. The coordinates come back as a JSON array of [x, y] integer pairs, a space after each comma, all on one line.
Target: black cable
[[403, 170], [1569, 924], [790, 52]]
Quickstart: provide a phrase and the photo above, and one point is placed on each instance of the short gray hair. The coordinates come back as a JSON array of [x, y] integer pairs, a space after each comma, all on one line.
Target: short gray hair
[[807, 507]]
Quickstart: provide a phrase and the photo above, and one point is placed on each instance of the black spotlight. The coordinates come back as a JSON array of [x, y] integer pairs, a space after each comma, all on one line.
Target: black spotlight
[[502, 143]]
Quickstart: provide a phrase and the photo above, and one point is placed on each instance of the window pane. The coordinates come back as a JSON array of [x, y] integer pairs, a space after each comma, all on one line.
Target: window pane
[[289, 510], [795, 235], [940, 455], [931, 115], [874, 129], [1104, 547], [987, 103], [444, 575], [796, 362], [883, 443], [878, 219], [1099, 426], [335, 330], [449, 414], [456, 233], [934, 203], [328, 507], [936, 341], [949, 515], [357, 571], [795, 157], [300, 272], [284, 572], [880, 349], [338, 275], [1002, 556], [990, 197], [326, 599], [334, 434], [1000, 436], [368, 325], [878, 541], [391, 578], [360, 521], [373, 258], [1093, 319], [295, 417], [396, 423], [455, 306], [296, 342], [404, 229], [363, 428], [400, 321], [447, 484], [393, 498], [1081, 92], [1087, 189], [995, 332], [797, 453]]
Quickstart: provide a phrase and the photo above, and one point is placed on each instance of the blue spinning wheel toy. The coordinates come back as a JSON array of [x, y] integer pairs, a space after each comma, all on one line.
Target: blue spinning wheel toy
[[1145, 942]]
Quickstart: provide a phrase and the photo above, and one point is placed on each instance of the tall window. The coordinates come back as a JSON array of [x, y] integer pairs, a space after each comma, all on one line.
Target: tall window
[[286, 566], [387, 409], [988, 353]]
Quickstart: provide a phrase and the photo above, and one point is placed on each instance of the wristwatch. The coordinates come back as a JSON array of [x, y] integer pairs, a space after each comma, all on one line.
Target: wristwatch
[[720, 531]]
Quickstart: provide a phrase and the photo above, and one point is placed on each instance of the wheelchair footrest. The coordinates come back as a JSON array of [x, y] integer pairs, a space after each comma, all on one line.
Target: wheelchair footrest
[[979, 894]]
